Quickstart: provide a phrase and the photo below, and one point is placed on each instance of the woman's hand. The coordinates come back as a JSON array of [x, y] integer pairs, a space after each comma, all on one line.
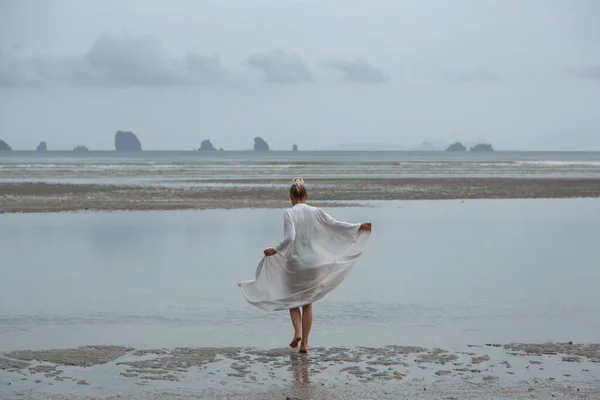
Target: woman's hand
[[270, 252], [366, 226]]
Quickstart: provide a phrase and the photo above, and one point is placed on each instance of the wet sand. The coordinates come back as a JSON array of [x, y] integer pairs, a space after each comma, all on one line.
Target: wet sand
[[266, 193], [533, 371]]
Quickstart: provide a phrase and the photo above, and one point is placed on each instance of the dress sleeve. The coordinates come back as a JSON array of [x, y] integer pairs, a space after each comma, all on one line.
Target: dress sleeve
[[340, 226], [289, 234]]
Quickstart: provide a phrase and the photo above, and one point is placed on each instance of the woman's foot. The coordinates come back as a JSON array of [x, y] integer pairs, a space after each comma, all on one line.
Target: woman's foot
[[303, 348], [294, 343]]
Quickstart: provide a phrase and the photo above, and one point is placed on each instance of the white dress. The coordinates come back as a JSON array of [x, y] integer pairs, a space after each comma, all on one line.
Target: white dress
[[315, 255]]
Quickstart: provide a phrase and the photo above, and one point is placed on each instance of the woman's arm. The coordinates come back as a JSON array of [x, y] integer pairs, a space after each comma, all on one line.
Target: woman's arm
[[332, 223], [289, 233]]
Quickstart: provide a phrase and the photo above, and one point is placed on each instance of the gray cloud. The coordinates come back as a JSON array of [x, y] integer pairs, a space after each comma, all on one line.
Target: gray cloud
[[471, 75], [204, 68], [115, 61], [592, 72], [131, 61], [70, 70], [280, 67], [359, 71]]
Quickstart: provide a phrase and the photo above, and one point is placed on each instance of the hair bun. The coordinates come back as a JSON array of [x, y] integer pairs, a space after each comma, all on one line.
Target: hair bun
[[298, 181]]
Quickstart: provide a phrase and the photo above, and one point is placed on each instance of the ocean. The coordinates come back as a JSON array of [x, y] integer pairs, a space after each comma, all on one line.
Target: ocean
[[186, 167]]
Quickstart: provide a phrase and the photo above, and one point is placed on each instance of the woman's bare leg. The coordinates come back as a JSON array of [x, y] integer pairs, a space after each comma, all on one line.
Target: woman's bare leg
[[306, 325], [296, 318]]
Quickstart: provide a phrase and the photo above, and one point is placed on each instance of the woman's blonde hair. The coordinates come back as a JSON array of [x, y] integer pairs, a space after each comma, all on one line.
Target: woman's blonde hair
[[298, 190]]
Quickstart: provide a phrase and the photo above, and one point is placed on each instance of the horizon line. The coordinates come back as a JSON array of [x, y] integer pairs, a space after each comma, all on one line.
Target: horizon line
[[291, 151]]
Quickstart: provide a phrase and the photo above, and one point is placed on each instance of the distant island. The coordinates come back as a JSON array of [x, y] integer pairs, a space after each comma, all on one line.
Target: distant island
[[206, 145], [456, 147], [127, 141], [478, 148], [260, 144], [4, 146], [81, 149], [482, 147]]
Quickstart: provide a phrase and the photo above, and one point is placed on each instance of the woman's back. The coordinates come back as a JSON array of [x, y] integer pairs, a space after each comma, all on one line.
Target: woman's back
[[317, 239]]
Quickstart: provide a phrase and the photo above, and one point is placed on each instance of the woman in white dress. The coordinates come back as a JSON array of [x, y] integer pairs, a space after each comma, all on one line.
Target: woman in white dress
[[315, 255]]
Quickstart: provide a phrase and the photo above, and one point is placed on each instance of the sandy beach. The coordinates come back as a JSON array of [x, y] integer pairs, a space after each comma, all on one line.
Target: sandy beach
[[22, 197], [532, 371]]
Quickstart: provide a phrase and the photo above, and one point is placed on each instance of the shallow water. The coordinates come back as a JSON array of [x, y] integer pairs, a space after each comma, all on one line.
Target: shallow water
[[440, 273]]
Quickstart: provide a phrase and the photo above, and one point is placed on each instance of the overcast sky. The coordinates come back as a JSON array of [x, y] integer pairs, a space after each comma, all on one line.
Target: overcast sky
[[523, 74]]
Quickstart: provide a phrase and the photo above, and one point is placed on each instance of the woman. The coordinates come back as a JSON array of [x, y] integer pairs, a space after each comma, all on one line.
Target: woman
[[315, 255]]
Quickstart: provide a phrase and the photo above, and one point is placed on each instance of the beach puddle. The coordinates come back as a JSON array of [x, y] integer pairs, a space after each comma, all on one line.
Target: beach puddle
[[86, 370]]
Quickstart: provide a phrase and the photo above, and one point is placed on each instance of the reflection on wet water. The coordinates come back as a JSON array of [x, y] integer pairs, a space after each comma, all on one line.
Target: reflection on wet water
[[299, 366], [436, 274]]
